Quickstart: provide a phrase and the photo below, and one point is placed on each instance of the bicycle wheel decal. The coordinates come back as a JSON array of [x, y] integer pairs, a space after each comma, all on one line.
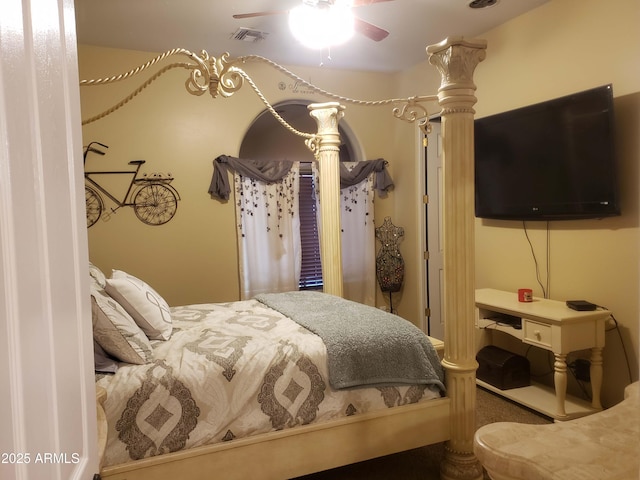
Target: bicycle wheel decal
[[155, 204], [93, 204]]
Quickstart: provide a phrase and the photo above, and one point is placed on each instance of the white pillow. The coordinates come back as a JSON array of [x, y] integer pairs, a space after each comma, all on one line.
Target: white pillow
[[97, 276], [149, 310], [116, 332]]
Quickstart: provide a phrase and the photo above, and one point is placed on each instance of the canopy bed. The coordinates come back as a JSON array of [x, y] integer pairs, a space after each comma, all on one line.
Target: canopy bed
[[290, 452]]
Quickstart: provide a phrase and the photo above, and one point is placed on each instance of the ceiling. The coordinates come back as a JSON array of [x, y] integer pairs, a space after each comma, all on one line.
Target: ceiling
[[160, 25]]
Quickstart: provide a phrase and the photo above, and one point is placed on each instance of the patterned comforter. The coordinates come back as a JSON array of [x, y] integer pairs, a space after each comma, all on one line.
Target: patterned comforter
[[229, 371]]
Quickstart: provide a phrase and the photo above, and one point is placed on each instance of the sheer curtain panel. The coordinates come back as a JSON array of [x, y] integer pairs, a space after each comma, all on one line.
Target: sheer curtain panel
[[358, 240], [359, 181], [267, 221], [268, 226]]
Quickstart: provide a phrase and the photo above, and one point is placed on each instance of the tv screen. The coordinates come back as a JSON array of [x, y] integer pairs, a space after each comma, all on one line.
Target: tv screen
[[550, 161]]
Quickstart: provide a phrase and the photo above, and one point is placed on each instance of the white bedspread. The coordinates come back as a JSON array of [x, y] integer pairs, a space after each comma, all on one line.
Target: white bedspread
[[229, 371]]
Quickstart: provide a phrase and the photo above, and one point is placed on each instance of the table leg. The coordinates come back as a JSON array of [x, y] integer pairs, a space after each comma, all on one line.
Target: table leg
[[560, 383], [595, 372]]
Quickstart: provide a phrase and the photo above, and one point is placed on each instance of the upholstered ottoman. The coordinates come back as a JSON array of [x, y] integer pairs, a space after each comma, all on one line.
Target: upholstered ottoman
[[602, 446]]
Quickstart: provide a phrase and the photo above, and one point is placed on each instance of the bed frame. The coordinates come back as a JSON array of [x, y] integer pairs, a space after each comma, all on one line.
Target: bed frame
[[307, 449]]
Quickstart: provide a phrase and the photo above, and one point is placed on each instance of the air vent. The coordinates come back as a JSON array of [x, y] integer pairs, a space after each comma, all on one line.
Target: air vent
[[482, 3], [249, 35]]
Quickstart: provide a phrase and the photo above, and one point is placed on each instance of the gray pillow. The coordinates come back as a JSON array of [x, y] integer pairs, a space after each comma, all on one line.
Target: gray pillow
[[103, 362]]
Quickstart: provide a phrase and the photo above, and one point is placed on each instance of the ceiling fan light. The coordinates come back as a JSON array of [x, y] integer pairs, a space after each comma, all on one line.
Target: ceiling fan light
[[323, 27]]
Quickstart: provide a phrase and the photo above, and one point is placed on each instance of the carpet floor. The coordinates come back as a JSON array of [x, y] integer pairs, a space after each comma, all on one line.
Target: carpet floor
[[424, 463]]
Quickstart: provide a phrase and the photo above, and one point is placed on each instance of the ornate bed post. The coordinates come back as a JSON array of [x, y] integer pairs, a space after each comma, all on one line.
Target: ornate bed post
[[456, 60], [326, 147]]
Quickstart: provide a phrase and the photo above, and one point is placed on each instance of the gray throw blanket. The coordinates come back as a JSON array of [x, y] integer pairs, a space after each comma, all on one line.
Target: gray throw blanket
[[365, 345]]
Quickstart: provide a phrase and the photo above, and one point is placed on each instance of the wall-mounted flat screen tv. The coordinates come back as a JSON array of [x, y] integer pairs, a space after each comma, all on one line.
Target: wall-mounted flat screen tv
[[551, 161]]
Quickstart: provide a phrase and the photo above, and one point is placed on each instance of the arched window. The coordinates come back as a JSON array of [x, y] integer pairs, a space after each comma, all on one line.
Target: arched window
[[267, 139]]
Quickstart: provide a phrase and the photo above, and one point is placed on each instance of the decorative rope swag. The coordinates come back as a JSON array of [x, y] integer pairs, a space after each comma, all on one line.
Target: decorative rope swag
[[221, 76], [456, 60]]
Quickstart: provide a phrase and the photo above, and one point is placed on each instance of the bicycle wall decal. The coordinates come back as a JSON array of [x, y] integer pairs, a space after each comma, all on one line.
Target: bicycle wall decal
[[153, 199]]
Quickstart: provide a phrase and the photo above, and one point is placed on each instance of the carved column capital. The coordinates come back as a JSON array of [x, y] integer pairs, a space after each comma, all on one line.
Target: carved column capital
[[456, 60], [327, 115]]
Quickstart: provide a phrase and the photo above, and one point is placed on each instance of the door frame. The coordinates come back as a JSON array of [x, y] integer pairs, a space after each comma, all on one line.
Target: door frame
[[429, 220]]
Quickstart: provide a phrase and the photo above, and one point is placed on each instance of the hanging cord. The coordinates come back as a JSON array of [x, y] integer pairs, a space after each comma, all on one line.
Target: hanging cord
[[549, 358], [624, 349], [548, 260], [535, 260]]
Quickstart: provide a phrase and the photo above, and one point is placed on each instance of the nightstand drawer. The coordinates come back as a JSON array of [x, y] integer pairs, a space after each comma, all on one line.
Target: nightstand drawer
[[538, 333]]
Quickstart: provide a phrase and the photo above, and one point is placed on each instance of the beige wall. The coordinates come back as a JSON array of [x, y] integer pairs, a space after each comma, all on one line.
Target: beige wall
[[193, 258], [562, 47]]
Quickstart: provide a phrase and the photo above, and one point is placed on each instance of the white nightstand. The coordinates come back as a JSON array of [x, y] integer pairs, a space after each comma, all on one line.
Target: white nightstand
[[551, 325]]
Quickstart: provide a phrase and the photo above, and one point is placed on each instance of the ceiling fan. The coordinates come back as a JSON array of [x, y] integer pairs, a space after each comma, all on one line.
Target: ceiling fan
[[363, 27]]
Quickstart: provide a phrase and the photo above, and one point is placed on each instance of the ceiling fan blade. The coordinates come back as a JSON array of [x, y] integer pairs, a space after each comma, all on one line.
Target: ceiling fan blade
[[369, 30], [364, 3], [356, 3], [259, 14]]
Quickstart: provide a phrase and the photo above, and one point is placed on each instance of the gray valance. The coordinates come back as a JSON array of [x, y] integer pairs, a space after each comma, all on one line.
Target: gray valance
[[270, 171], [267, 171], [382, 182]]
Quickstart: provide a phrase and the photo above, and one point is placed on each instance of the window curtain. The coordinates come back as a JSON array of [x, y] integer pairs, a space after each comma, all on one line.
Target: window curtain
[[358, 182], [267, 220]]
